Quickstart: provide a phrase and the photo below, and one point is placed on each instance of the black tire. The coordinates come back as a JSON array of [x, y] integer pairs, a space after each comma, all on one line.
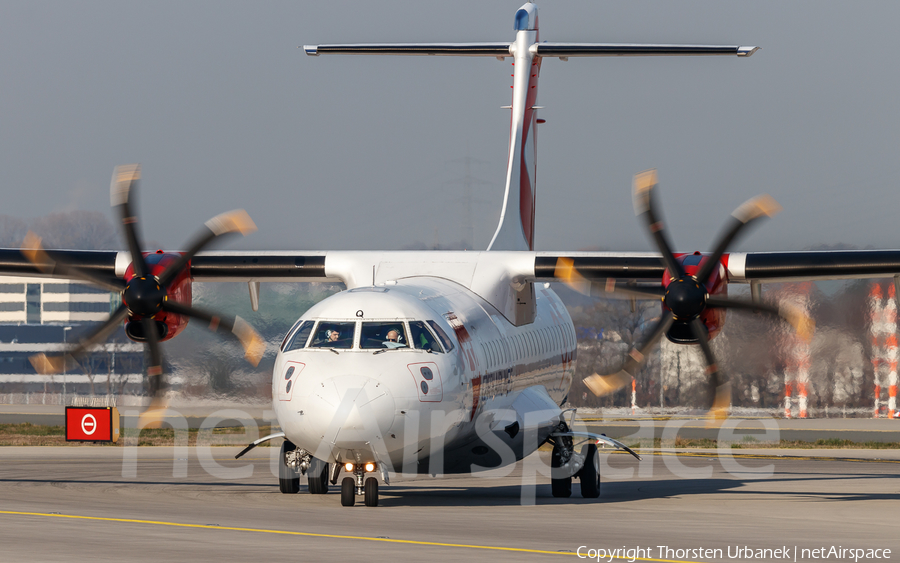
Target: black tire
[[560, 488], [371, 491], [590, 473], [348, 491], [288, 477], [317, 477]]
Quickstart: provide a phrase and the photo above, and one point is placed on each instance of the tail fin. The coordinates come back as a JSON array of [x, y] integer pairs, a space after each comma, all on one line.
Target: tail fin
[[516, 228]]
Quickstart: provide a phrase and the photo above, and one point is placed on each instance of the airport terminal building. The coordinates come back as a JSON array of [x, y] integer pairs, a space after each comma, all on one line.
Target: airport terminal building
[[45, 315]]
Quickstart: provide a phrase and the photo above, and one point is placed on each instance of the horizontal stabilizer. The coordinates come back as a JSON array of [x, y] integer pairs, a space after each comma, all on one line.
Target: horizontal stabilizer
[[635, 50], [457, 49]]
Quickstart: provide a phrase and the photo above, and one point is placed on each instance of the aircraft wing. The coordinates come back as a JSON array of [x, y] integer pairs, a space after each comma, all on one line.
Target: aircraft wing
[[211, 266], [356, 267], [742, 267]]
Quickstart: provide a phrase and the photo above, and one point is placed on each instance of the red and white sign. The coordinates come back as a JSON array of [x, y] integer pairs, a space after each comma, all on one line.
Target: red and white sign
[[92, 424]]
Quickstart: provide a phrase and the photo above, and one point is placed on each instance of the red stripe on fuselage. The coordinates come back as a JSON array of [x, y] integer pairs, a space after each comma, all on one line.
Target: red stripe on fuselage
[[526, 182]]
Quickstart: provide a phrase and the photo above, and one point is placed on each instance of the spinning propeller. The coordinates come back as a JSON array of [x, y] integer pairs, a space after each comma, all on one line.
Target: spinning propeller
[[685, 297], [146, 290]]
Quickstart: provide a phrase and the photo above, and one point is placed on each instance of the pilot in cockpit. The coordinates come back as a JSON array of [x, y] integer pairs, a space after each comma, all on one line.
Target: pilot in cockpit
[[392, 339]]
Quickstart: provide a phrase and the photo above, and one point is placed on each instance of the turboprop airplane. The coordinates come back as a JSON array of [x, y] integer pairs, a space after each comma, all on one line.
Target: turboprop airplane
[[443, 361]]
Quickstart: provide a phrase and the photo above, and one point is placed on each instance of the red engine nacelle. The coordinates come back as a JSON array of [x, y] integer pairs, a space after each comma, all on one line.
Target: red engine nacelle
[[168, 324], [713, 318]]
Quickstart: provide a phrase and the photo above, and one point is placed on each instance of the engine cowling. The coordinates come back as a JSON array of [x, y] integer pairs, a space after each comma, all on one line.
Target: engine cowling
[[682, 296], [143, 299]]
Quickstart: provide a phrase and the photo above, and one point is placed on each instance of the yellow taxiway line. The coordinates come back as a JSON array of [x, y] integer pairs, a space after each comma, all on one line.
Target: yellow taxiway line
[[315, 535]]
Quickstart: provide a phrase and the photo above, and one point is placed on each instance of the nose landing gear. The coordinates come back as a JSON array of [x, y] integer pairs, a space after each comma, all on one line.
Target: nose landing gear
[[359, 485]]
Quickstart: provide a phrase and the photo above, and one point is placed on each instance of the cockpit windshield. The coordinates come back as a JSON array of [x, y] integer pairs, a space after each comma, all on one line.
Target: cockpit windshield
[[333, 335], [383, 336]]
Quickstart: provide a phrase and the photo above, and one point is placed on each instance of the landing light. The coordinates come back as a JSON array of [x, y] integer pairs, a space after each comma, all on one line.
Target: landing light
[[348, 467], [370, 467]]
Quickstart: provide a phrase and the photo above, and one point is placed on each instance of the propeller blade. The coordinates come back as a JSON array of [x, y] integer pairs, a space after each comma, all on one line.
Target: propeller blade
[[720, 389], [254, 345], [45, 364], [152, 416], [802, 323], [237, 221], [34, 251], [644, 206], [124, 180], [602, 385], [749, 211], [567, 273]]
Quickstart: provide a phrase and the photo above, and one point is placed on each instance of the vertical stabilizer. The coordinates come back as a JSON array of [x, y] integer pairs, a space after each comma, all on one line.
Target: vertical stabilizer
[[516, 229]]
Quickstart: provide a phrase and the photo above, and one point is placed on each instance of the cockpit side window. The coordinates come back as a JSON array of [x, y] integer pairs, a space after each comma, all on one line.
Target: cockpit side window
[[422, 338], [383, 335], [298, 340], [330, 334], [445, 340], [288, 333]]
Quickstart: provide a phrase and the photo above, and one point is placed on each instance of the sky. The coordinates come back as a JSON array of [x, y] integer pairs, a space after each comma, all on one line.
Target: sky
[[224, 111]]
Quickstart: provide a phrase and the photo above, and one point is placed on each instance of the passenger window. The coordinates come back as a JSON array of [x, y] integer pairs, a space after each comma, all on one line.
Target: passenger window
[[334, 335], [298, 340], [445, 340], [383, 336], [422, 338]]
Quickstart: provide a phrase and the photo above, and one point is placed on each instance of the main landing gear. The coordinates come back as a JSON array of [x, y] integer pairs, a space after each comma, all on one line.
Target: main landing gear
[[293, 463], [359, 484], [565, 464], [288, 475]]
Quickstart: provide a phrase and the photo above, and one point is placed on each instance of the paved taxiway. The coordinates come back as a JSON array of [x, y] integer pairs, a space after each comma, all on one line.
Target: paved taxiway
[[74, 504]]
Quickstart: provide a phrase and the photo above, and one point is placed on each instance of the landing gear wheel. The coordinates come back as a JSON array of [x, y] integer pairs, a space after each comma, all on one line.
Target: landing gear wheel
[[590, 473], [288, 477], [371, 491], [348, 491], [318, 477], [561, 488]]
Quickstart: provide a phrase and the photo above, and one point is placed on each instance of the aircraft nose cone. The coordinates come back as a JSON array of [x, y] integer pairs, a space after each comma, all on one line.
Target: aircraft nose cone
[[350, 411]]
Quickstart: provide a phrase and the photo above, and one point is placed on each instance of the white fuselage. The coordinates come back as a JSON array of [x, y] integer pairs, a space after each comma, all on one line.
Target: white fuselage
[[400, 406]]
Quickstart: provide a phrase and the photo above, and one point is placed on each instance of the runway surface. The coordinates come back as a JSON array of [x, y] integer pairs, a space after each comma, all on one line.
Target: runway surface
[[102, 504]]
